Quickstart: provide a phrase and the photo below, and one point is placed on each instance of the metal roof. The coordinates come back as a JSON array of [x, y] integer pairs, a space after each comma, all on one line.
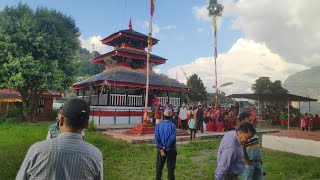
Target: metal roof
[[272, 97], [132, 76]]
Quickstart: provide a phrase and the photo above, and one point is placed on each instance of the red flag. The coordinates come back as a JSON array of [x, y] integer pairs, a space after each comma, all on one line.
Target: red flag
[[152, 7], [130, 25]]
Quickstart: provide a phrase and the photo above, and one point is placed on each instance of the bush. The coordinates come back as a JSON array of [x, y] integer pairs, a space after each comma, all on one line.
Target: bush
[[54, 114], [92, 126], [13, 116]]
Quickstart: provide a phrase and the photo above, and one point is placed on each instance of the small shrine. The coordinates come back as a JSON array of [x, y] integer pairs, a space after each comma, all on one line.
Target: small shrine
[[117, 95]]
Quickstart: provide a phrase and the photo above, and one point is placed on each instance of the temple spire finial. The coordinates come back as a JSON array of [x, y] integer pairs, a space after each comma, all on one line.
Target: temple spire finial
[[130, 25]]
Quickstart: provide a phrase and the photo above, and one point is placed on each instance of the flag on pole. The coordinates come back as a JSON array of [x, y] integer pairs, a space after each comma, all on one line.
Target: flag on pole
[[152, 7]]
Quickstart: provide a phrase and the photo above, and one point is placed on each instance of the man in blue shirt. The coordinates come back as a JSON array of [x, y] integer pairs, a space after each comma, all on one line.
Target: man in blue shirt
[[165, 139], [230, 157]]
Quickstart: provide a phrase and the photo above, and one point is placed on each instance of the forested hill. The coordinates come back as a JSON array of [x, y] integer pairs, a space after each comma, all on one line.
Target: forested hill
[[306, 83], [86, 67]]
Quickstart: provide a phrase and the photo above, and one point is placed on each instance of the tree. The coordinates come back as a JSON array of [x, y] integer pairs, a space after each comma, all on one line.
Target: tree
[[263, 85], [198, 91], [215, 10], [86, 67], [37, 51]]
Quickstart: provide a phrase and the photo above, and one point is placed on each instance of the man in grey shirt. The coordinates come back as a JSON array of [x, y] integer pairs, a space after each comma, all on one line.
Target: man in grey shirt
[[230, 157], [66, 156]]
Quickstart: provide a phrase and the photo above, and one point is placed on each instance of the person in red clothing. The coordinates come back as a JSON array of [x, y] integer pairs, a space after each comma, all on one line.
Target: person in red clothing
[[305, 122], [311, 122], [316, 121], [158, 114], [254, 117]]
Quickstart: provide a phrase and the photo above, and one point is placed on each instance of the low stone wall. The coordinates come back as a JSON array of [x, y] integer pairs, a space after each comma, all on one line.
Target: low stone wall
[[290, 143]]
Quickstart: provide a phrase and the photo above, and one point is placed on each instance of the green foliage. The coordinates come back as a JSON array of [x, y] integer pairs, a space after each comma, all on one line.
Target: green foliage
[[86, 67], [263, 85], [214, 8], [195, 160], [54, 114], [91, 126], [197, 91], [13, 116], [37, 51]]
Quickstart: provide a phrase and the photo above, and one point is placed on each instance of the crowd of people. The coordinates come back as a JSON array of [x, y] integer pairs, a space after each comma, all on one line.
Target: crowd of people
[[65, 154], [306, 122], [200, 117]]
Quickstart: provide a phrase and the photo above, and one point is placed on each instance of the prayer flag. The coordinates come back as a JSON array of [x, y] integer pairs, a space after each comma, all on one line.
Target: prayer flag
[[152, 7]]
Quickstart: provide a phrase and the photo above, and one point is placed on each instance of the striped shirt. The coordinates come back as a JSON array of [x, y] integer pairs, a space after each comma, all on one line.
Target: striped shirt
[[64, 157]]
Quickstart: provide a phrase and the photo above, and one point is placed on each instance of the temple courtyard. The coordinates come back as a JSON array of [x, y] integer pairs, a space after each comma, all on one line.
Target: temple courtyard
[[125, 160]]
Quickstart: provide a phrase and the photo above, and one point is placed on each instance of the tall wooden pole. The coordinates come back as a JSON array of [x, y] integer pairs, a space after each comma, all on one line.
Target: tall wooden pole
[[215, 57], [145, 114]]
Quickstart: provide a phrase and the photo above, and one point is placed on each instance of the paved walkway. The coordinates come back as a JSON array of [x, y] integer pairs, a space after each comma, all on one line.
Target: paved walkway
[[121, 134]]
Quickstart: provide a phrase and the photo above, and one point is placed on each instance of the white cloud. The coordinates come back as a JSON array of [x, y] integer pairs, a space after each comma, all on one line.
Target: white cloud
[[170, 27], [289, 28], [96, 41], [155, 27], [242, 64], [201, 12]]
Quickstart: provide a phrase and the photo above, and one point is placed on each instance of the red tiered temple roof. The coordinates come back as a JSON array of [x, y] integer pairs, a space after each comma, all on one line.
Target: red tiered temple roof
[[130, 53], [117, 37]]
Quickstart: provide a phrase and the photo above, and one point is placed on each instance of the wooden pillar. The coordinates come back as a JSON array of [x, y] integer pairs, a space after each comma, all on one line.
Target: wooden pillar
[[142, 95], [127, 94], [259, 108], [288, 114], [180, 99], [83, 93], [108, 100], [168, 97], [309, 108]]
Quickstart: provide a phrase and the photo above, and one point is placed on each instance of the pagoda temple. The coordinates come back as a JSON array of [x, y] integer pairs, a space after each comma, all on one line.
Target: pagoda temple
[[117, 95]]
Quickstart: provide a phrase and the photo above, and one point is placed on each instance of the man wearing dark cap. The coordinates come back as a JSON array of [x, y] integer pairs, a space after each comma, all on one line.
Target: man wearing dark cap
[[66, 156], [165, 139]]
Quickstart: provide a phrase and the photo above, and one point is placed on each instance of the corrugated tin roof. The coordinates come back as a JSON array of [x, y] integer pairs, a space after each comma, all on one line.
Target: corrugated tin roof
[[132, 76]]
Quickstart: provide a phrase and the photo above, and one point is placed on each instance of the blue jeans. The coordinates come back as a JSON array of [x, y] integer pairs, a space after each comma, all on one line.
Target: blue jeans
[[253, 171]]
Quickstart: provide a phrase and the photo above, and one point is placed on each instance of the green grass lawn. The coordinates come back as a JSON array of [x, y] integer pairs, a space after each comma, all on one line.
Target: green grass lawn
[[122, 160]]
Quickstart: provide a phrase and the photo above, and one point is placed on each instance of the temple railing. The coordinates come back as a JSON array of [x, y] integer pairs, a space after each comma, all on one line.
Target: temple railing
[[117, 100], [122, 100], [85, 98], [163, 100], [134, 100], [172, 100]]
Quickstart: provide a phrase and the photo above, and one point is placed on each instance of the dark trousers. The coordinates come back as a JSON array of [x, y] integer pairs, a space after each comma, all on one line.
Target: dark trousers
[[231, 177], [171, 164], [199, 125], [184, 124], [192, 131]]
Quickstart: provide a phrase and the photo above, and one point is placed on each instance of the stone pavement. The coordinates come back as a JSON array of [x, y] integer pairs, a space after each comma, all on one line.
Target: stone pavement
[[121, 134]]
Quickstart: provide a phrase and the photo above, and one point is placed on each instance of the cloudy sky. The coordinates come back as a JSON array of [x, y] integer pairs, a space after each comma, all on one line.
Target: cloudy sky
[[273, 38]]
